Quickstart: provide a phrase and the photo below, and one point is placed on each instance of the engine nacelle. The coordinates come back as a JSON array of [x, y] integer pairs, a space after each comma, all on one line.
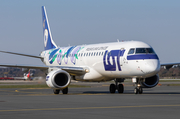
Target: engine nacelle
[[150, 81], [59, 79]]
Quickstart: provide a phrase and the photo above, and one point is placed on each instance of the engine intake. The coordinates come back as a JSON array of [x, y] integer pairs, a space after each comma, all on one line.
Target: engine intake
[[150, 81], [59, 79]]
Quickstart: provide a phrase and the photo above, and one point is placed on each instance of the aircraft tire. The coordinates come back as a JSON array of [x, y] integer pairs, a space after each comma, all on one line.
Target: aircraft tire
[[140, 90], [56, 91], [136, 91], [112, 88], [65, 91], [120, 88]]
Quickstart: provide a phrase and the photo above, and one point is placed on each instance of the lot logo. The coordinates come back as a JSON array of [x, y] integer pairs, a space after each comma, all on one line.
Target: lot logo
[[109, 59]]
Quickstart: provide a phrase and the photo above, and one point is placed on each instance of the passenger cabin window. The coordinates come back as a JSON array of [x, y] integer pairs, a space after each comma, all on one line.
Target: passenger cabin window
[[131, 51]]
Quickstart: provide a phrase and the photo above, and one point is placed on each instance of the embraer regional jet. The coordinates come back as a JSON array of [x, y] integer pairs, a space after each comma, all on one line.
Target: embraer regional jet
[[96, 63]]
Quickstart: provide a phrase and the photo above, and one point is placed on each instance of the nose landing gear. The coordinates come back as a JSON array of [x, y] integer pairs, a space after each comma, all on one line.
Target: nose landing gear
[[138, 90]]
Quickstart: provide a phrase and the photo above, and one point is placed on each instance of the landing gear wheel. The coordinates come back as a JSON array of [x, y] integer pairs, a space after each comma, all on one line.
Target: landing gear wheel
[[112, 88], [120, 88], [65, 91], [56, 91], [136, 90], [140, 90]]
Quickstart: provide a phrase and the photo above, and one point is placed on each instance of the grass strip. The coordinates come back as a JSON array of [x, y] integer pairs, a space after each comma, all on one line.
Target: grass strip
[[173, 85], [169, 80]]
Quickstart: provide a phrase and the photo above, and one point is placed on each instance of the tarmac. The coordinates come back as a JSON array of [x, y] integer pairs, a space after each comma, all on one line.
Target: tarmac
[[94, 101]]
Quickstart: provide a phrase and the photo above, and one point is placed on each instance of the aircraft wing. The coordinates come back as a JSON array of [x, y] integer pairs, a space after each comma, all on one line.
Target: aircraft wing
[[25, 66], [74, 70], [70, 70], [169, 65], [15, 53]]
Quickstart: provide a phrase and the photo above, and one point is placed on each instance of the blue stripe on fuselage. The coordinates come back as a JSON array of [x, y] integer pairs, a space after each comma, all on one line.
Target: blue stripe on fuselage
[[142, 56]]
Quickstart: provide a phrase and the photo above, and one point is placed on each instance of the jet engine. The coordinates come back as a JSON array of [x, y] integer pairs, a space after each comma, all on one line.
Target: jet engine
[[150, 81], [58, 79]]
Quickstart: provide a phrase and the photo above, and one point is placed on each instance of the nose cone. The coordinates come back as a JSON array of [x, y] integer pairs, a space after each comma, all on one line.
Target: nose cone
[[152, 67]]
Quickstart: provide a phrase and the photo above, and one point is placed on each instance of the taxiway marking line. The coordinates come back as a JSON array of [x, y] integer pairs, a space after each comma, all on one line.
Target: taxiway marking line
[[79, 108]]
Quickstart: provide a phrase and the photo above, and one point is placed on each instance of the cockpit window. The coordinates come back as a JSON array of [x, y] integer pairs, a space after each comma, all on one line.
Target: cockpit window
[[144, 50], [140, 50], [131, 51], [150, 50]]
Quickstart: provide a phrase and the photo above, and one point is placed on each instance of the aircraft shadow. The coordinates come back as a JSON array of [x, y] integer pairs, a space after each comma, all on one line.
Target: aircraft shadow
[[130, 92]]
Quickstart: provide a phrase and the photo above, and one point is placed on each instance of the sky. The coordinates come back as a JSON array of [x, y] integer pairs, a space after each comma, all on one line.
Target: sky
[[77, 22]]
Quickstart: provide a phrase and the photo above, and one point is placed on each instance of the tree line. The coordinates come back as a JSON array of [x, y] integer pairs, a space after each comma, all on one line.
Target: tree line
[[19, 72]]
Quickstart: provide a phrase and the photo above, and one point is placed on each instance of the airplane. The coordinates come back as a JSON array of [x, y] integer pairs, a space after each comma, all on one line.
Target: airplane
[[96, 63], [28, 76]]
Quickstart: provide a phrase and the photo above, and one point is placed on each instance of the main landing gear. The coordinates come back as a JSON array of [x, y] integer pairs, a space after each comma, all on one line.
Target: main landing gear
[[116, 86], [64, 91], [120, 88]]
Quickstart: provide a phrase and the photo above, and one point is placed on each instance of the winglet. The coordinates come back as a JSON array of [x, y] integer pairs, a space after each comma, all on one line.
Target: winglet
[[48, 41]]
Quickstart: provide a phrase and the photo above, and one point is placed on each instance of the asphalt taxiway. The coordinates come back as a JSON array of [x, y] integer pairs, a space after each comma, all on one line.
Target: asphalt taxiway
[[162, 102]]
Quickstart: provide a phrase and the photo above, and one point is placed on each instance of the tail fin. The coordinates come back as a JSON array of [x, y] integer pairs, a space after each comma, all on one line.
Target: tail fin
[[48, 41]]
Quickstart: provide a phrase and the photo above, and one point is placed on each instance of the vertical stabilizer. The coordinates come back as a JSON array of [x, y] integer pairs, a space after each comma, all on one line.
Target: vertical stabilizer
[[48, 41]]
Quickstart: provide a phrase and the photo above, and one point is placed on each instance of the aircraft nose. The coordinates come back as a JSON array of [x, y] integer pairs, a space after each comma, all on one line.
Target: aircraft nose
[[152, 67]]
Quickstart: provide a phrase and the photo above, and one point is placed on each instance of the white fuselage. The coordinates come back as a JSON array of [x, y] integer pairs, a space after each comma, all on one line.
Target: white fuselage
[[106, 61]]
